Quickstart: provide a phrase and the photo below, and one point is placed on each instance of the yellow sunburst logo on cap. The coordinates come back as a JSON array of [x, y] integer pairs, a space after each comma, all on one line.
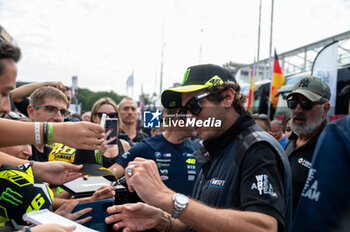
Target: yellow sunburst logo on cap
[[215, 80]]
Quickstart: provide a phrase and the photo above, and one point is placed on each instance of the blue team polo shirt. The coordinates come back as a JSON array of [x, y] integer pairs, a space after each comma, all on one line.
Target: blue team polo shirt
[[177, 166]]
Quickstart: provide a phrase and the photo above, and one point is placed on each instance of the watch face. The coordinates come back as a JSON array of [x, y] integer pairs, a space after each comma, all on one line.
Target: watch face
[[182, 199]]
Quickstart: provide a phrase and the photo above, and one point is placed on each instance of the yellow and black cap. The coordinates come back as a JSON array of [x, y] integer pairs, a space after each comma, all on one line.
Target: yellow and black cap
[[91, 162], [196, 78]]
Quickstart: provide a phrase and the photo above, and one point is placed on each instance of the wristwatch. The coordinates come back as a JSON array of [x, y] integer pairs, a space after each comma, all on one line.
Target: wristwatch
[[180, 203]]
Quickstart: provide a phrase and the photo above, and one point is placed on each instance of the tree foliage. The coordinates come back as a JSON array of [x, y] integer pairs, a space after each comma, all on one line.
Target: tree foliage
[[87, 98]]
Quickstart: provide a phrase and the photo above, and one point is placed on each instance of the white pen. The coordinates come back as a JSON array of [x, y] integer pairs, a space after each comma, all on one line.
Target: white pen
[[103, 120], [97, 152], [114, 173]]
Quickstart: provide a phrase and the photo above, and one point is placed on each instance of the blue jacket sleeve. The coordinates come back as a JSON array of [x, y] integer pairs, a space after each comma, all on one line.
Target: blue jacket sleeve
[[325, 197], [139, 150]]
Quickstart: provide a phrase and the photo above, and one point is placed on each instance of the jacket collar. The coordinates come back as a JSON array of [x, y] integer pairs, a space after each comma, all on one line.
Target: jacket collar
[[217, 144]]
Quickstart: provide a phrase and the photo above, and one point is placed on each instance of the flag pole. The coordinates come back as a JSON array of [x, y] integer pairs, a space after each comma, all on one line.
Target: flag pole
[[271, 60], [258, 53], [161, 62], [257, 58]]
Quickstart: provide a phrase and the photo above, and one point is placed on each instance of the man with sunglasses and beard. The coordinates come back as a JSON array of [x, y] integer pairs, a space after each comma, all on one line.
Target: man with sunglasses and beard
[[309, 104], [245, 181]]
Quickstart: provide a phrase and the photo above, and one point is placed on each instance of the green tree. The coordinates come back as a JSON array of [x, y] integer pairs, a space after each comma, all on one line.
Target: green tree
[[87, 98]]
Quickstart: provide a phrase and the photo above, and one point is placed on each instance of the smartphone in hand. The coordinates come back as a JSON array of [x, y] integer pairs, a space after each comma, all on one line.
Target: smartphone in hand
[[112, 123]]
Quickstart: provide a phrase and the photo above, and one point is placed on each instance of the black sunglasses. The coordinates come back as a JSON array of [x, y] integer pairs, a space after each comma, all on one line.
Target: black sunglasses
[[53, 110], [305, 104], [110, 115], [193, 105]]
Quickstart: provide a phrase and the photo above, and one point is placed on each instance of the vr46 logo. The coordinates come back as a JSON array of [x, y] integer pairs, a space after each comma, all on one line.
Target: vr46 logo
[[191, 161], [36, 203]]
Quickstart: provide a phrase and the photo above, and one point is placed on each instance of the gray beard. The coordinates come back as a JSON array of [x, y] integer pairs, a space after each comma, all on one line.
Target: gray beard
[[307, 128]]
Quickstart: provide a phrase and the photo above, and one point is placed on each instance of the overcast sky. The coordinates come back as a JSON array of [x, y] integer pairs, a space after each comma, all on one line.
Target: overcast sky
[[104, 41]]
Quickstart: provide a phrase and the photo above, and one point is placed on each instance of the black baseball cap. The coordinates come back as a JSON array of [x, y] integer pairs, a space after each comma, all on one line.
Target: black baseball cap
[[196, 78], [91, 162]]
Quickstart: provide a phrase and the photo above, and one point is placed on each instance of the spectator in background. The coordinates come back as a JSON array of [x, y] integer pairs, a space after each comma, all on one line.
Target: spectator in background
[[128, 117], [309, 104], [20, 95], [47, 104], [324, 204], [263, 121], [109, 152], [75, 117], [277, 132], [86, 116], [172, 150], [68, 94], [286, 128]]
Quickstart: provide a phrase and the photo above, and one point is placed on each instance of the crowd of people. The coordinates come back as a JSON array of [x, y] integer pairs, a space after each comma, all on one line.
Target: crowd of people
[[247, 173]]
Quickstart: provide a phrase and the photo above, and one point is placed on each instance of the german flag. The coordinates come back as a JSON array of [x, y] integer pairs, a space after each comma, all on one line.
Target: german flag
[[277, 81]]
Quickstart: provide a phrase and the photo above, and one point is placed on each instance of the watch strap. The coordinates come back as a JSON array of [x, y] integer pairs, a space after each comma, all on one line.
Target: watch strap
[[178, 208]]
